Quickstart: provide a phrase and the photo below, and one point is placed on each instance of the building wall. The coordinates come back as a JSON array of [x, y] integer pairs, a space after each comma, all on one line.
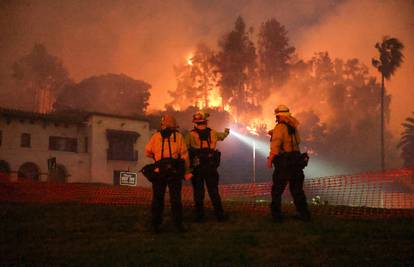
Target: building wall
[[91, 166], [102, 169], [76, 164]]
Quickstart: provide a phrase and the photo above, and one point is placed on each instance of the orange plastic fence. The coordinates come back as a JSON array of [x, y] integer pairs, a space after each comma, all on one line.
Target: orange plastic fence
[[387, 194]]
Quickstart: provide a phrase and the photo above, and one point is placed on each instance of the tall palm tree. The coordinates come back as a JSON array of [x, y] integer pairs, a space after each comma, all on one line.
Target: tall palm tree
[[407, 142], [390, 58]]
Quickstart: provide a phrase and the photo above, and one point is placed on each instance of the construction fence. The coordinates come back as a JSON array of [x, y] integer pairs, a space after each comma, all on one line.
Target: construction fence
[[387, 194]]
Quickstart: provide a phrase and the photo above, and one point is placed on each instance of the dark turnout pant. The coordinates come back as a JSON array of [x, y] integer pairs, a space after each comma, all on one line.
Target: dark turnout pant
[[158, 193], [209, 176], [283, 175]]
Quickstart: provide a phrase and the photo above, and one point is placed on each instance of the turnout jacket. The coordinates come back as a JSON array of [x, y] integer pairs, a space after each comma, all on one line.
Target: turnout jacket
[[153, 148], [193, 140], [282, 141]]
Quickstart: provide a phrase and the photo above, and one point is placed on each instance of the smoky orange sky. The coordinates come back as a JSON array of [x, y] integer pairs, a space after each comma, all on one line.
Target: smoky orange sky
[[144, 39]]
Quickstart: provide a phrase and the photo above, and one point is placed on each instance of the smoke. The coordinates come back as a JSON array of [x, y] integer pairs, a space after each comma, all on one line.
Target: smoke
[[144, 39], [353, 30]]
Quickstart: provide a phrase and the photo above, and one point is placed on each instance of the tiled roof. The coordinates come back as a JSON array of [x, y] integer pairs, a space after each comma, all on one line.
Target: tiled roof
[[70, 117]]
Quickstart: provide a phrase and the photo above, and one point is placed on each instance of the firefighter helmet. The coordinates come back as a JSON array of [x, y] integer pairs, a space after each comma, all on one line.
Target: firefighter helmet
[[200, 116], [282, 110], [168, 121]]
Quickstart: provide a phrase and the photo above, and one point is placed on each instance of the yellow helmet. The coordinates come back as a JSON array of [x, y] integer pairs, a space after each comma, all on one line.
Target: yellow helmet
[[282, 110], [200, 116], [168, 121]]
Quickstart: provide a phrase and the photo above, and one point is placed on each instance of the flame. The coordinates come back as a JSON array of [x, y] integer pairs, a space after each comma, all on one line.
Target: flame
[[190, 59], [252, 130], [214, 98], [254, 126], [176, 107]]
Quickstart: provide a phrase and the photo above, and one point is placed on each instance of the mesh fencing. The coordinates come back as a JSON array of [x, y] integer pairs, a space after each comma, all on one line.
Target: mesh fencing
[[387, 194]]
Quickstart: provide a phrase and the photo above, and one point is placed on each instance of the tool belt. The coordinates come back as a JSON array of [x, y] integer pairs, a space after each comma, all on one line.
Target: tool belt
[[171, 168], [205, 157], [166, 168], [291, 160]]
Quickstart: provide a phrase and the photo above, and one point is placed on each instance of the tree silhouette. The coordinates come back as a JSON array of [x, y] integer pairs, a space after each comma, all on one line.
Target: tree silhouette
[[390, 58], [274, 53], [42, 76], [407, 142], [109, 93], [236, 66]]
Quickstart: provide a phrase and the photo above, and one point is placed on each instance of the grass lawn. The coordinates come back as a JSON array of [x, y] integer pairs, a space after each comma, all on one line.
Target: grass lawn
[[92, 235]]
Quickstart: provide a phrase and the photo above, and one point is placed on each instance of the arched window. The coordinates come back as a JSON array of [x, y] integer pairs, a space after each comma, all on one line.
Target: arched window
[[29, 170]]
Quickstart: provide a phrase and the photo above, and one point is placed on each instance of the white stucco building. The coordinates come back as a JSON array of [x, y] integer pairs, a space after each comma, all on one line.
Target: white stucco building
[[81, 147]]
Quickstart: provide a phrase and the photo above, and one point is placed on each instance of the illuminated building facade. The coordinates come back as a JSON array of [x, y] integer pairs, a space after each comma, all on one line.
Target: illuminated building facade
[[74, 148]]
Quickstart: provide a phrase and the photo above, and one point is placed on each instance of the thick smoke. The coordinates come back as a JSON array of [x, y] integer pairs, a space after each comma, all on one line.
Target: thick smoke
[[144, 39], [352, 31]]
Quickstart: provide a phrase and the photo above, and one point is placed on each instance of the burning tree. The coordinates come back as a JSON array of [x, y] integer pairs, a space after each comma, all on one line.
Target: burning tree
[[196, 82], [236, 66]]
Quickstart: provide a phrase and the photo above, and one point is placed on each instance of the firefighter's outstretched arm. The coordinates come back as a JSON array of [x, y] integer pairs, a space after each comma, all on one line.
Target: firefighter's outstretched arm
[[222, 135]]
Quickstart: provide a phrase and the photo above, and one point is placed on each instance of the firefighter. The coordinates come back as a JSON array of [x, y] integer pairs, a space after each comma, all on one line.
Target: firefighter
[[205, 160], [168, 149], [285, 156]]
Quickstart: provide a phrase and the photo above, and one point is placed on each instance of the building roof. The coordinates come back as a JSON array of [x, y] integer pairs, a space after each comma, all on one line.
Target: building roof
[[67, 116]]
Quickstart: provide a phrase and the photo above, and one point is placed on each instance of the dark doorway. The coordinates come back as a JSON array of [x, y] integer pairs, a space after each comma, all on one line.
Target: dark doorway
[[58, 174], [29, 171], [4, 169]]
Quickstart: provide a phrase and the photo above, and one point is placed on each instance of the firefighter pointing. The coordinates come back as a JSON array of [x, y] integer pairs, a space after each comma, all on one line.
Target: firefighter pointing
[[288, 162], [168, 149], [205, 159]]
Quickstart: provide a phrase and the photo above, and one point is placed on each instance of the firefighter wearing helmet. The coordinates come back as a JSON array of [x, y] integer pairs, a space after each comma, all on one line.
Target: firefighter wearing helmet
[[205, 159], [168, 149], [286, 158]]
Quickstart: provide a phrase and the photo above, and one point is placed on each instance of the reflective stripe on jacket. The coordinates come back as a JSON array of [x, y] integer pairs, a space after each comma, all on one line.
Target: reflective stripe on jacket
[[178, 148], [193, 140]]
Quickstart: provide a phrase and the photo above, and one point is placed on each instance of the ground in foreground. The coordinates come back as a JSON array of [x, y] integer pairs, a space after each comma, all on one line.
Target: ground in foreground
[[99, 235]]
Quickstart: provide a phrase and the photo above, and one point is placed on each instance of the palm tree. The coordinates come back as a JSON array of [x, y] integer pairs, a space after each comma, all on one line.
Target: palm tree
[[407, 142], [390, 58]]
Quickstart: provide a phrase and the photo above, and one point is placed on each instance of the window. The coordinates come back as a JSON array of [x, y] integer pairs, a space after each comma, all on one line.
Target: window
[[63, 144], [121, 145], [25, 140]]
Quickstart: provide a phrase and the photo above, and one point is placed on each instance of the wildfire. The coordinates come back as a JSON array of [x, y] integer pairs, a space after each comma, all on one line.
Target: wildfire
[[255, 126], [214, 98], [252, 130], [190, 59]]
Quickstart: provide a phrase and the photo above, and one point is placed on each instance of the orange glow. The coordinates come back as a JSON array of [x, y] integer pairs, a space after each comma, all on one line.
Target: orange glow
[[214, 98], [252, 130], [254, 126], [190, 59]]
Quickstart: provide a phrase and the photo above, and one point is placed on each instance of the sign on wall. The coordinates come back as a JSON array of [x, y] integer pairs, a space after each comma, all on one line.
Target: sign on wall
[[128, 178]]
